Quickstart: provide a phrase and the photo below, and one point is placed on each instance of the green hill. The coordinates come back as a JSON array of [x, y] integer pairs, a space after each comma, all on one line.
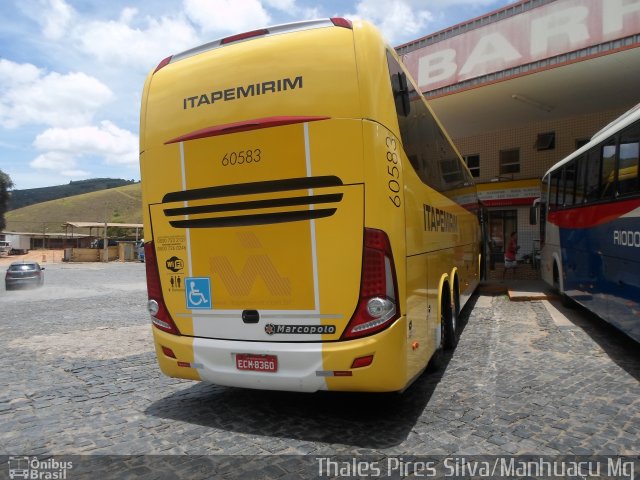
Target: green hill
[[31, 196], [117, 205]]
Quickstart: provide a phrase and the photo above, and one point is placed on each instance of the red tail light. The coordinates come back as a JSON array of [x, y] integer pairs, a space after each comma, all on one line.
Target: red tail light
[[342, 22], [157, 309], [168, 352], [377, 306], [163, 64], [244, 36]]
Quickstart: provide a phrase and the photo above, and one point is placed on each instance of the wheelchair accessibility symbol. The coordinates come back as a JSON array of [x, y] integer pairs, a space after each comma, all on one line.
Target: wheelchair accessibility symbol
[[198, 292]]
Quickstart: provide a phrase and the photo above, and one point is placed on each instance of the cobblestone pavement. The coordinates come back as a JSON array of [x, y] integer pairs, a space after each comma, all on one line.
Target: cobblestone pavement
[[78, 376]]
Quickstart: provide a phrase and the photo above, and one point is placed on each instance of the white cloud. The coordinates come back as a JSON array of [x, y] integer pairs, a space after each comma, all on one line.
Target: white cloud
[[284, 5], [230, 16], [118, 43], [58, 164], [13, 74], [395, 18], [130, 40], [115, 145], [128, 14], [54, 161], [53, 16], [31, 97], [452, 3], [58, 20]]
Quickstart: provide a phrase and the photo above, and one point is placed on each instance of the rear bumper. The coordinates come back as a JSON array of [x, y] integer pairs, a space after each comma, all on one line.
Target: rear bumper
[[302, 367], [23, 282]]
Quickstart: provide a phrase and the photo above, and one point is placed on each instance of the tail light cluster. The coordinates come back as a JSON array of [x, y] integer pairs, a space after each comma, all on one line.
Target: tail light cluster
[[377, 306], [157, 309]]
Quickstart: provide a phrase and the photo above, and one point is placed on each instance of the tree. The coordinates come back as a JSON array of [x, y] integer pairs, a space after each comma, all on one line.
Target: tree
[[5, 185]]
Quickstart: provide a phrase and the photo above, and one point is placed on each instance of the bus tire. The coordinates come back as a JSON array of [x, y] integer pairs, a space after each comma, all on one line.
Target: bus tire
[[448, 322], [564, 299], [456, 309], [437, 362]]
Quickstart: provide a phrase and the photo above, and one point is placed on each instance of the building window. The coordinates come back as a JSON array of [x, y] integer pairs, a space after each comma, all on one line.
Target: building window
[[473, 162], [546, 141], [509, 161]]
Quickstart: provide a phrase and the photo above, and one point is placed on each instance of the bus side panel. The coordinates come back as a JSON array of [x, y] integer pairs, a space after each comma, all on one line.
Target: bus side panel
[[384, 193], [420, 319], [471, 270], [423, 274], [550, 252], [442, 240], [606, 283], [376, 98], [381, 154]]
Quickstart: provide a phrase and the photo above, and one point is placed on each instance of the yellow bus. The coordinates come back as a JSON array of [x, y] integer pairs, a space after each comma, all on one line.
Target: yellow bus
[[310, 224]]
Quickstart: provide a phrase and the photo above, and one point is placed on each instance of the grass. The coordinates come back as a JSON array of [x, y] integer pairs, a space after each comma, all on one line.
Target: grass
[[117, 205]]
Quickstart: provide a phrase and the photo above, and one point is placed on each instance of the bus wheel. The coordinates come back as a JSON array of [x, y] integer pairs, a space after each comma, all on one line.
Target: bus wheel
[[564, 299], [448, 337], [437, 359], [556, 279], [448, 320], [456, 310]]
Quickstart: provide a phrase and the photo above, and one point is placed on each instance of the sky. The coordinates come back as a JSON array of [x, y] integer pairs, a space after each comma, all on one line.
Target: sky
[[72, 71]]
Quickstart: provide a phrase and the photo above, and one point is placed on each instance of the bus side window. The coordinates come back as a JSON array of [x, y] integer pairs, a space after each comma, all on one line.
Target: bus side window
[[569, 183], [628, 161], [425, 144], [553, 189], [593, 175], [607, 176], [581, 171]]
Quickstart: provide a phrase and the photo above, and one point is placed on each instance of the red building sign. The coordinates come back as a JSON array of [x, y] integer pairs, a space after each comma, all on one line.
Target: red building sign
[[544, 32]]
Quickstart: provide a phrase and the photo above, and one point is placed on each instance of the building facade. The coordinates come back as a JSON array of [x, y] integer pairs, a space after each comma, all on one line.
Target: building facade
[[520, 88]]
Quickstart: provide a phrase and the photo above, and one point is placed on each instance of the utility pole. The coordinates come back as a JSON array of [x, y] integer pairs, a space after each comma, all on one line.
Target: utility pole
[[105, 243]]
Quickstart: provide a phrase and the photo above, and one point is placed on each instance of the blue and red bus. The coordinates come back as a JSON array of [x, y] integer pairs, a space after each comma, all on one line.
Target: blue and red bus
[[591, 233]]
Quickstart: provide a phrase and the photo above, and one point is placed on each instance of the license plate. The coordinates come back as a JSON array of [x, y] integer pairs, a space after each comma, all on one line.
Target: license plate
[[256, 363]]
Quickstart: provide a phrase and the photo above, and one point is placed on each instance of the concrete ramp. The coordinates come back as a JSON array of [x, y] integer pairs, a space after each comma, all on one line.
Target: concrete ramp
[[519, 290]]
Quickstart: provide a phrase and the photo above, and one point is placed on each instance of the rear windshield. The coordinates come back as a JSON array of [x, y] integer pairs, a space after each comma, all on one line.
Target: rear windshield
[[22, 268]]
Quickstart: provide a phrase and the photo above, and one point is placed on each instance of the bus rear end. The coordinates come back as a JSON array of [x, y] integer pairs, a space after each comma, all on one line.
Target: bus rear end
[[261, 271]]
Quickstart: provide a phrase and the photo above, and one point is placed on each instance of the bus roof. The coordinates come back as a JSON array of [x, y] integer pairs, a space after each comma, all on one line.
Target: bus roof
[[268, 31], [630, 116]]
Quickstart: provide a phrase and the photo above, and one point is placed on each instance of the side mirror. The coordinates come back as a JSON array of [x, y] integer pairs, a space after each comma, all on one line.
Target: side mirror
[[401, 93]]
